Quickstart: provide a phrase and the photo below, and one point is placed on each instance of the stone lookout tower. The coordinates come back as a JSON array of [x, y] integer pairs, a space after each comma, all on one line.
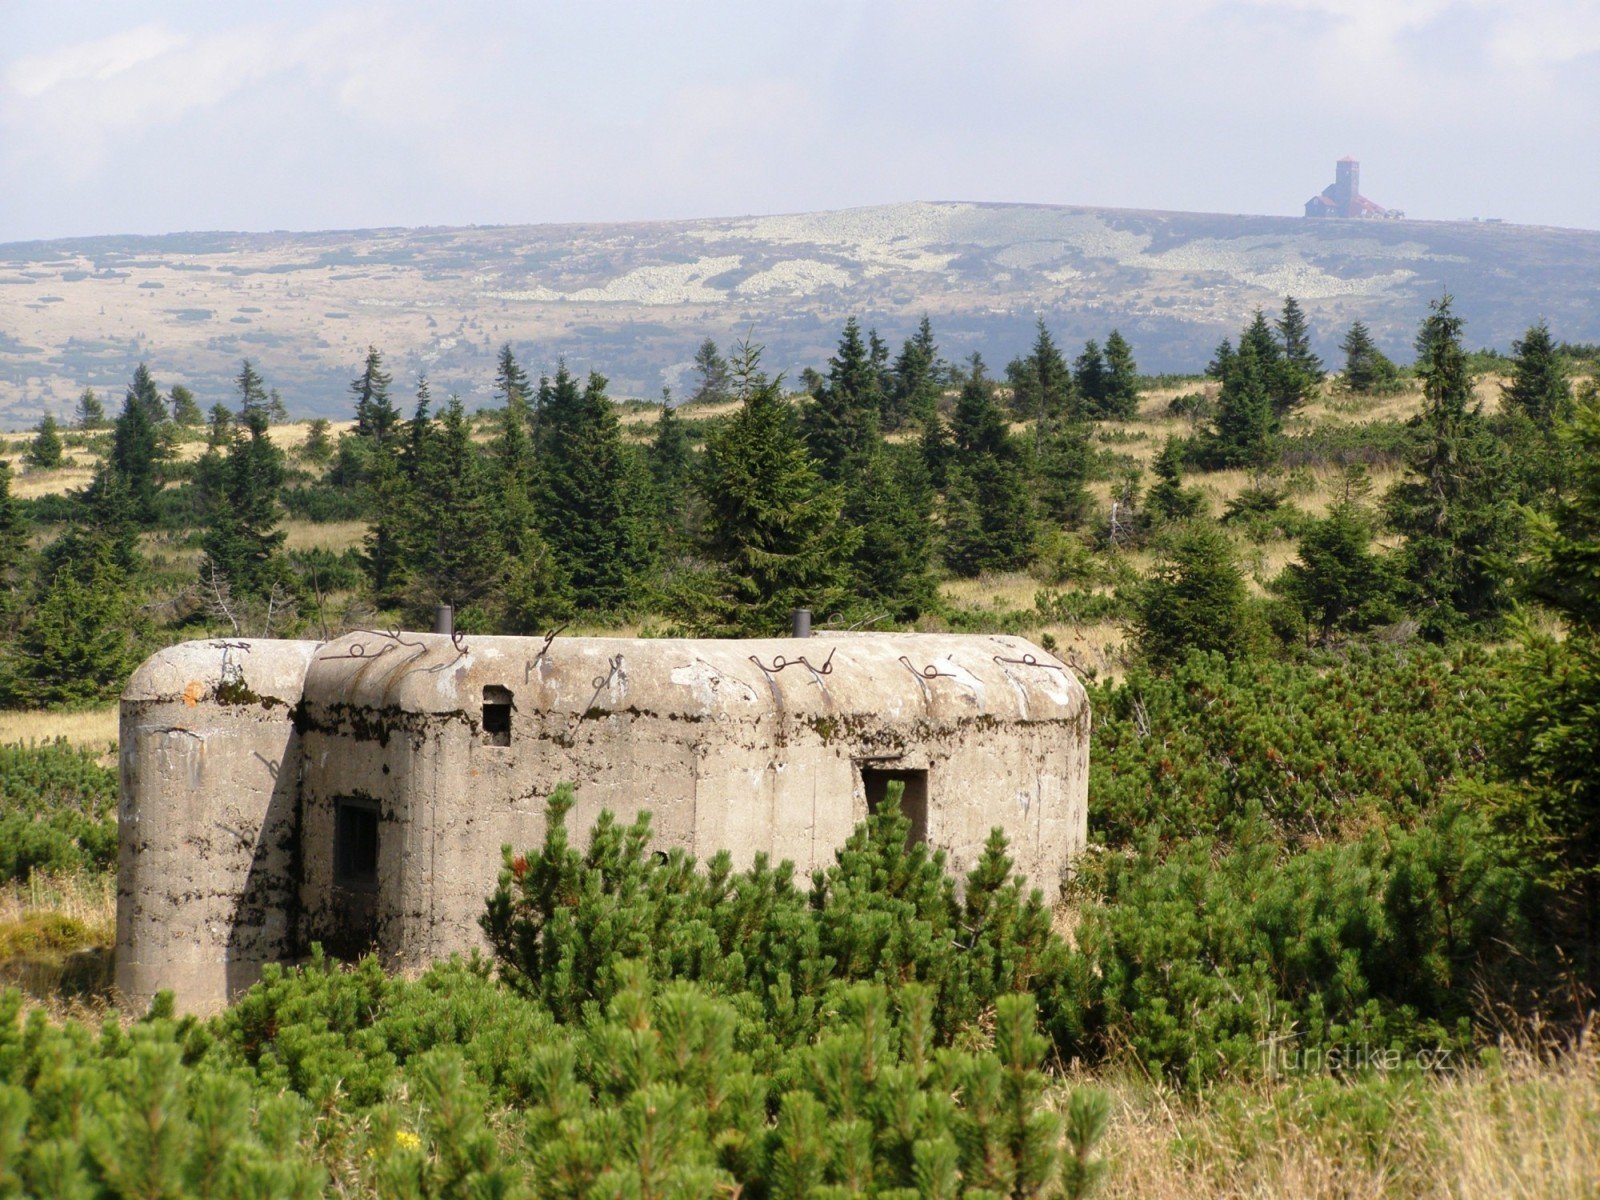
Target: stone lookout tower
[[1343, 198], [357, 793]]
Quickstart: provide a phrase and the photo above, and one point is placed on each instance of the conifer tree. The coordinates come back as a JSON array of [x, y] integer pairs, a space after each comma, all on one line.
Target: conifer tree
[[772, 521], [671, 463], [135, 446], [252, 390], [889, 502], [989, 524], [1300, 371], [1367, 371], [1090, 378], [1041, 387], [510, 379], [44, 452], [376, 416], [1168, 501], [1339, 584], [13, 550], [712, 386], [91, 413], [533, 593], [219, 426], [1244, 432], [917, 380], [1539, 388], [185, 408], [456, 549], [592, 500], [418, 430], [143, 390], [841, 422], [1122, 380], [277, 410], [242, 542], [1194, 599], [1450, 509], [317, 449]]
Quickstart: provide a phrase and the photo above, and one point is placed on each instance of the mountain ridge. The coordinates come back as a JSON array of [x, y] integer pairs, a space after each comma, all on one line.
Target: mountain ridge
[[634, 299]]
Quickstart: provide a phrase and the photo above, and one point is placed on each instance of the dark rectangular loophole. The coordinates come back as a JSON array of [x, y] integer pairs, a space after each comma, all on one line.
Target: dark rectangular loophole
[[355, 844], [496, 715], [913, 800]]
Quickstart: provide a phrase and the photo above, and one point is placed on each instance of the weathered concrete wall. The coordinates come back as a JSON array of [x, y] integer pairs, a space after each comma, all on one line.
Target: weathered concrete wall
[[726, 750], [238, 759], [207, 820]]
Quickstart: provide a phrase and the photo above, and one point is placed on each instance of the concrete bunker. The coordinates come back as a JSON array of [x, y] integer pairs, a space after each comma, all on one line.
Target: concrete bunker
[[357, 793]]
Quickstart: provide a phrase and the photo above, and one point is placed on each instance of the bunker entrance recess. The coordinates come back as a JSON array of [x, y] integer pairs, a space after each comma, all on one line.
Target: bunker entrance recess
[[913, 799]]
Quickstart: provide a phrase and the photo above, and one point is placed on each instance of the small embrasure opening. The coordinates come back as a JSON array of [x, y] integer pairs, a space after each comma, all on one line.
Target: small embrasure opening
[[913, 799], [355, 843], [496, 715]]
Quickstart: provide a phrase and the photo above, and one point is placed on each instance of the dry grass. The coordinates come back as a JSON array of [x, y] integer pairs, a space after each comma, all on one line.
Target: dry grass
[[95, 728], [337, 536], [1012, 589], [1528, 1127], [89, 899]]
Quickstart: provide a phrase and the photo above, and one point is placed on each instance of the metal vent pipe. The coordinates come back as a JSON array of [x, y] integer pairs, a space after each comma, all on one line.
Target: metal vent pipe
[[444, 620], [802, 623]]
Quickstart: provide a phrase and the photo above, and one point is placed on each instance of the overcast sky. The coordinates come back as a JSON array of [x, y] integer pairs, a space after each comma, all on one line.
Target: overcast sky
[[156, 115]]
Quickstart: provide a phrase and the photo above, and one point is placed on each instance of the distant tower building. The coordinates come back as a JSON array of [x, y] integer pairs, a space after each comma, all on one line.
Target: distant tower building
[[1343, 197]]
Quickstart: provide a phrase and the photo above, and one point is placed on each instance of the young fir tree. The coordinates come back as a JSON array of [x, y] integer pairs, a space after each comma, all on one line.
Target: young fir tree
[[219, 426], [455, 548], [317, 449], [377, 418], [989, 524], [1168, 501], [510, 380], [1245, 429], [772, 521], [185, 408], [917, 381], [889, 502], [13, 550], [1338, 584], [44, 452], [414, 445], [1459, 532], [91, 413], [277, 410], [841, 422], [712, 383], [1367, 371], [136, 446], [1090, 378], [242, 542], [252, 391], [1539, 388], [533, 593], [1041, 387], [1194, 599], [671, 461], [1300, 371], [593, 500], [1121, 401], [144, 391]]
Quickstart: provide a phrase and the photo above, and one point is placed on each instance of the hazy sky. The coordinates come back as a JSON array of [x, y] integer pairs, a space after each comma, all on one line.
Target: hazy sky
[[158, 115]]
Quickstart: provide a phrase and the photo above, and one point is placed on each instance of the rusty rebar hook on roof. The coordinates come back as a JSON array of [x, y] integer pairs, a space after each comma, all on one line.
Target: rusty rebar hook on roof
[[928, 672], [779, 662], [1028, 660]]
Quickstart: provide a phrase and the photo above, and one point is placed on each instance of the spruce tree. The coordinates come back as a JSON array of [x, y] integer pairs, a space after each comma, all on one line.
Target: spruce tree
[[13, 550], [317, 449], [418, 430], [1168, 501], [593, 499], [1539, 388], [44, 452], [1041, 387], [772, 521], [712, 385], [242, 541], [1244, 431], [143, 390], [135, 447], [1367, 371], [918, 378], [252, 391], [533, 593], [376, 416], [988, 519], [889, 502], [91, 413], [219, 426], [1459, 532], [1338, 583], [671, 461], [841, 422], [1194, 599], [456, 549], [1122, 380], [1090, 378], [1300, 371], [185, 408], [510, 380]]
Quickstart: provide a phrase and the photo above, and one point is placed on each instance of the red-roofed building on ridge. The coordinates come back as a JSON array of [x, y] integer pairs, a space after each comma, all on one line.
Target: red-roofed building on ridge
[[1343, 197]]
